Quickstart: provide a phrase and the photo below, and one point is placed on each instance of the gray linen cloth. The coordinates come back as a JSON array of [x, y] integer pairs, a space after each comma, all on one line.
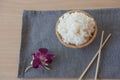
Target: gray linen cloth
[[38, 31]]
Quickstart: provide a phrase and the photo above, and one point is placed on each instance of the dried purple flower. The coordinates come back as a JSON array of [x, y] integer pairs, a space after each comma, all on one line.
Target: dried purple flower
[[41, 58]]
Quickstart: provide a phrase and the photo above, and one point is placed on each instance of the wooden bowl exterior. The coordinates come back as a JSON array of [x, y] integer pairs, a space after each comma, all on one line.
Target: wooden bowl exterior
[[73, 45]]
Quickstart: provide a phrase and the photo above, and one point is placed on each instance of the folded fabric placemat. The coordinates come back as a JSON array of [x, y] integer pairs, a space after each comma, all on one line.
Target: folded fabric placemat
[[38, 31]]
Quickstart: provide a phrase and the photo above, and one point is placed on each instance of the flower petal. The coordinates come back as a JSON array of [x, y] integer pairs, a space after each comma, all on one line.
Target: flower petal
[[43, 51], [49, 58], [37, 54], [36, 62]]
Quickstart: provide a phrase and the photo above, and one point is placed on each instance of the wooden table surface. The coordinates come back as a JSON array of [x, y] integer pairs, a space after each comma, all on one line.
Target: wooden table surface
[[10, 27]]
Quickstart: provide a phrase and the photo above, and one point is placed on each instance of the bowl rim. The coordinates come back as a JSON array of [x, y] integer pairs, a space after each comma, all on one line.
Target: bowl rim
[[73, 45]]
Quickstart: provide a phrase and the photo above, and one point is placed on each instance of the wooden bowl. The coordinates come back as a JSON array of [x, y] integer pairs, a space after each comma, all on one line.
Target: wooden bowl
[[73, 45]]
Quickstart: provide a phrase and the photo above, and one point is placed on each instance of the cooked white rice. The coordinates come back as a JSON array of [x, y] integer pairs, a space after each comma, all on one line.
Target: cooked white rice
[[75, 28]]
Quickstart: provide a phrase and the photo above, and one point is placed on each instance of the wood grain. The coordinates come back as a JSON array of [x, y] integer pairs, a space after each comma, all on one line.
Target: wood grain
[[10, 27]]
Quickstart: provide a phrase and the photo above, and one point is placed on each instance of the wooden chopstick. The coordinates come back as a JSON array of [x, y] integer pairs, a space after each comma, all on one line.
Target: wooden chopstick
[[86, 69], [99, 55]]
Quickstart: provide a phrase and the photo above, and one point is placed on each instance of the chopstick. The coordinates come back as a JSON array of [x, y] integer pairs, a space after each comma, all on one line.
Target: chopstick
[[86, 69], [99, 55]]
